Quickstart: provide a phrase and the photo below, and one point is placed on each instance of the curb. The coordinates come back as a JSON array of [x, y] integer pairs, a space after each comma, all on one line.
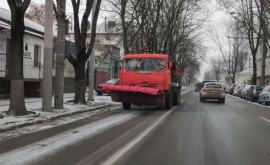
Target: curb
[[38, 121]]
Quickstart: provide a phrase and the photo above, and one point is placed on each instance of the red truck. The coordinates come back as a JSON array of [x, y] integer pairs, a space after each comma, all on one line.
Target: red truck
[[147, 79]]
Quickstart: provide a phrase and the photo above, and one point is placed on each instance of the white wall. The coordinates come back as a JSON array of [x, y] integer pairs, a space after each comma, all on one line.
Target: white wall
[[30, 72]]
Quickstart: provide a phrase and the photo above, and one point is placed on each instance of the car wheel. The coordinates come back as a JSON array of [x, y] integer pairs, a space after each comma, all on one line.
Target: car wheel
[[251, 98], [223, 101], [264, 102], [126, 106], [99, 93], [168, 101]]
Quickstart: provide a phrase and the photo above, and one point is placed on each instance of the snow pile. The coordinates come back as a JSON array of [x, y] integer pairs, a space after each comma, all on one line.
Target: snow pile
[[34, 105]]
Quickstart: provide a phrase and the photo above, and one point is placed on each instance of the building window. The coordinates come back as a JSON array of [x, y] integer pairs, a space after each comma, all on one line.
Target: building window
[[36, 55], [267, 62]]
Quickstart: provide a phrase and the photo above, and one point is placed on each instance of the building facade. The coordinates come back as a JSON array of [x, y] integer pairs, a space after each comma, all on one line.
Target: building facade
[[33, 55]]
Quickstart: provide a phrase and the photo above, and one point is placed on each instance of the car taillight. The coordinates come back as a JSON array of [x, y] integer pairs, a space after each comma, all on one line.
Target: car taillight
[[222, 91], [269, 90], [203, 90]]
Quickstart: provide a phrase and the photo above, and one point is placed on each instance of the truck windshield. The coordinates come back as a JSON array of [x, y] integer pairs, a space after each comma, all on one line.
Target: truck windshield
[[146, 64]]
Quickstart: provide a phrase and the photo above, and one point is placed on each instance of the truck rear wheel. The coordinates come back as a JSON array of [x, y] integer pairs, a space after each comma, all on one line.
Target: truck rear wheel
[[176, 98], [168, 100], [126, 106]]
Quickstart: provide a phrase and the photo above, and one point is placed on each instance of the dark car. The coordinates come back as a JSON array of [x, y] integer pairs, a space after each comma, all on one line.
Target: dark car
[[100, 88], [232, 89], [253, 92], [198, 87]]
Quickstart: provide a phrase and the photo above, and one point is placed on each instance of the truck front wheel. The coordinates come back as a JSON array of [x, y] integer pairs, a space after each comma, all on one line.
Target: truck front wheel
[[168, 100], [176, 98], [126, 106]]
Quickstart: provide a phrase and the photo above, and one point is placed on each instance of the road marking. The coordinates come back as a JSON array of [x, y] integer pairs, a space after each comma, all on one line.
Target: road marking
[[264, 119], [118, 154], [52, 145]]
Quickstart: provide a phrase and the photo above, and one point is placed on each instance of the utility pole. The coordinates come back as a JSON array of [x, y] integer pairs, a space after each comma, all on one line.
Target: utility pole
[[60, 55], [47, 62], [92, 63]]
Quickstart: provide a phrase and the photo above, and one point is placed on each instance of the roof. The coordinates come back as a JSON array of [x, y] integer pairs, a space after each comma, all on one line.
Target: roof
[[30, 26], [146, 55]]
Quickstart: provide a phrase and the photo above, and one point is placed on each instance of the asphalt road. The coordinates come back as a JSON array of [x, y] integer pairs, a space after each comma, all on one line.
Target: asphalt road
[[193, 133]]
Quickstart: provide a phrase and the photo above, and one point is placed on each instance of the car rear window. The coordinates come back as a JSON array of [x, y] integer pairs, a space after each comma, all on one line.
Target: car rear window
[[213, 86]]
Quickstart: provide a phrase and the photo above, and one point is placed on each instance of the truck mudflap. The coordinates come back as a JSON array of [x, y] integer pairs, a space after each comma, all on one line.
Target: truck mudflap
[[136, 95]]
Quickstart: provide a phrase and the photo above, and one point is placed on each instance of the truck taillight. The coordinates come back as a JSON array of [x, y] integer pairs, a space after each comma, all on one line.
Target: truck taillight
[[204, 90], [223, 91]]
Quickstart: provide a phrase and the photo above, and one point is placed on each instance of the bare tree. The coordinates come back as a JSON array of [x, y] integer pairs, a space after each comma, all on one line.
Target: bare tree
[[17, 104], [248, 14], [231, 47], [164, 26], [83, 49], [218, 68]]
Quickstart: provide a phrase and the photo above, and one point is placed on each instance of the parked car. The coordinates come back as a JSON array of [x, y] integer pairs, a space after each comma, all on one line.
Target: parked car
[[198, 87], [227, 89], [212, 90], [232, 89], [239, 92], [225, 86], [245, 91], [253, 92], [235, 91], [264, 97], [100, 88]]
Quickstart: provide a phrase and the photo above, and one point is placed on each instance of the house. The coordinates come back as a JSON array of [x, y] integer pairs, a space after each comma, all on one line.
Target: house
[[245, 77], [33, 55], [108, 52], [106, 60]]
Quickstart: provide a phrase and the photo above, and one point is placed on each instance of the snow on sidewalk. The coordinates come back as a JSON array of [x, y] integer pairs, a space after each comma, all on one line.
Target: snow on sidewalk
[[34, 105]]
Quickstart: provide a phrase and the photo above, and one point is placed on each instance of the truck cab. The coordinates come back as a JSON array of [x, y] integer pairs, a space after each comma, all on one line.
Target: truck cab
[[146, 70], [146, 79]]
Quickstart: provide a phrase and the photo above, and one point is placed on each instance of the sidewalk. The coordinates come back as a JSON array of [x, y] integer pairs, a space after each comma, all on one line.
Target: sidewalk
[[36, 115]]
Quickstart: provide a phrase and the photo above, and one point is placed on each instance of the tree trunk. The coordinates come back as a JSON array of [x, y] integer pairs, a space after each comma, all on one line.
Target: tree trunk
[[125, 42], [80, 84], [124, 28], [17, 104], [264, 53], [60, 53], [264, 44], [254, 78]]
